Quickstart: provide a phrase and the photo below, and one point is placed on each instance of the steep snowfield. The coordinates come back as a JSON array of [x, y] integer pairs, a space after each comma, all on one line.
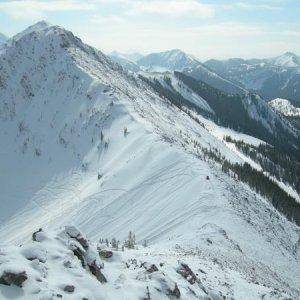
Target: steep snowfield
[[144, 173], [285, 107]]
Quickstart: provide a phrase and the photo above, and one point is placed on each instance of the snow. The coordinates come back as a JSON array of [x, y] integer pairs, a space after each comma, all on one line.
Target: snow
[[168, 61], [58, 100], [128, 274], [285, 107], [288, 59]]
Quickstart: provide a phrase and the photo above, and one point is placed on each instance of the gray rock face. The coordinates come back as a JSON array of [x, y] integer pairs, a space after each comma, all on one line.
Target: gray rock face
[[185, 271], [105, 254], [9, 278], [69, 288]]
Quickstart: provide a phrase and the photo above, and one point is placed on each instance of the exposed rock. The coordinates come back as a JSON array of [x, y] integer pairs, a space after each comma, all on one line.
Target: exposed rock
[[79, 253], [174, 292], [69, 288], [185, 271], [9, 278], [96, 271], [166, 284], [149, 267], [105, 253], [73, 232], [152, 268], [36, 235]]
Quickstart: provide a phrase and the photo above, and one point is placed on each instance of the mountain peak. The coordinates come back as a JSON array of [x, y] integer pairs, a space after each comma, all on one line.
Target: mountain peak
[[288, 59], [35, 27], [174, 59], [288, 53]]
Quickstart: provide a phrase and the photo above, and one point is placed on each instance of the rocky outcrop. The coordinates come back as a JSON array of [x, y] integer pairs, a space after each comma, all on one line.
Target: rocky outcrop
[[16, 278], [185, 271]]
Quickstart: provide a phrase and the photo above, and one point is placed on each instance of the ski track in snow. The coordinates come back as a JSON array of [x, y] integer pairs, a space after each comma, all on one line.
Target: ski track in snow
[[154, 186]]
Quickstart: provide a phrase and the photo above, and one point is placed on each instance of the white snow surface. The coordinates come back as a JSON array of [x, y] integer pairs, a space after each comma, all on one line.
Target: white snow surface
[[285, 107], [57, 96], [287, 59], [50, 266]]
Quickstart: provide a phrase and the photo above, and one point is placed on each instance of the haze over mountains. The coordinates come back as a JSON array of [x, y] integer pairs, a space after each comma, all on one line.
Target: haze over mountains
[[201, 171]]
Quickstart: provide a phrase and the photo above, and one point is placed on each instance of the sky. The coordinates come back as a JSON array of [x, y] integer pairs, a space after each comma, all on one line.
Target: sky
[[205, 28]]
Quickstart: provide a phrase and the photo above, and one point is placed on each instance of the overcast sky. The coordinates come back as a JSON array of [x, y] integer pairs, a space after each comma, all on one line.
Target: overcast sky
[[204, 28]]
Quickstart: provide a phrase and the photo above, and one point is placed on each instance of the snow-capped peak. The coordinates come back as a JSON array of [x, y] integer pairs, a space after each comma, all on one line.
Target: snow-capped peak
[[287, 59], [172, 60], [35, 27]]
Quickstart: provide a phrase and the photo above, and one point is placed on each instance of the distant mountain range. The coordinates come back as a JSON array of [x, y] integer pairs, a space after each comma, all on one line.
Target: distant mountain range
[[131, 56], [271, 78], [168, 162], [277, 77]]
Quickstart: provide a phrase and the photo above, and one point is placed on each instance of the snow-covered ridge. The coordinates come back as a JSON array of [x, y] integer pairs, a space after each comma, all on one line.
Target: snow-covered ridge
[[285, 107], [84, 143], [65, 264]]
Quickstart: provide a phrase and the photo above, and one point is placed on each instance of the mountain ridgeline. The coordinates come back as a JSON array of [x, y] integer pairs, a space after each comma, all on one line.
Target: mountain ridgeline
[[281, 161], [277, 77], [166, 162], [236, 111]]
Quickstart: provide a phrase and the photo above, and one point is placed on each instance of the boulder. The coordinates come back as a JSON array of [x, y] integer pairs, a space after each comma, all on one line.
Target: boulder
[[105, 253], [9, 278], [38, 236], [96, 271], [74, 233], [185, 271], [149, 267], [174, 292], [80, 254], [69, 288]]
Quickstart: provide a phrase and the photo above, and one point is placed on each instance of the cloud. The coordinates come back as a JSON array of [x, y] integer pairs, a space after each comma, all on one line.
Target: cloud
[[228, 29], [110, 20], [34, 9], [172, 8], [255, 6]]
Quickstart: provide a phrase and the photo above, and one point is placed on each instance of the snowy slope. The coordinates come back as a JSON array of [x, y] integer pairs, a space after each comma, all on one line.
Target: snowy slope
[[57, 96], [285, 107], [130, 55], [124, 62]]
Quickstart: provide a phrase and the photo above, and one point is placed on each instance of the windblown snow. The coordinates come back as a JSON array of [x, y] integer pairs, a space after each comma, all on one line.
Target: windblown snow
[[87, 144]]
